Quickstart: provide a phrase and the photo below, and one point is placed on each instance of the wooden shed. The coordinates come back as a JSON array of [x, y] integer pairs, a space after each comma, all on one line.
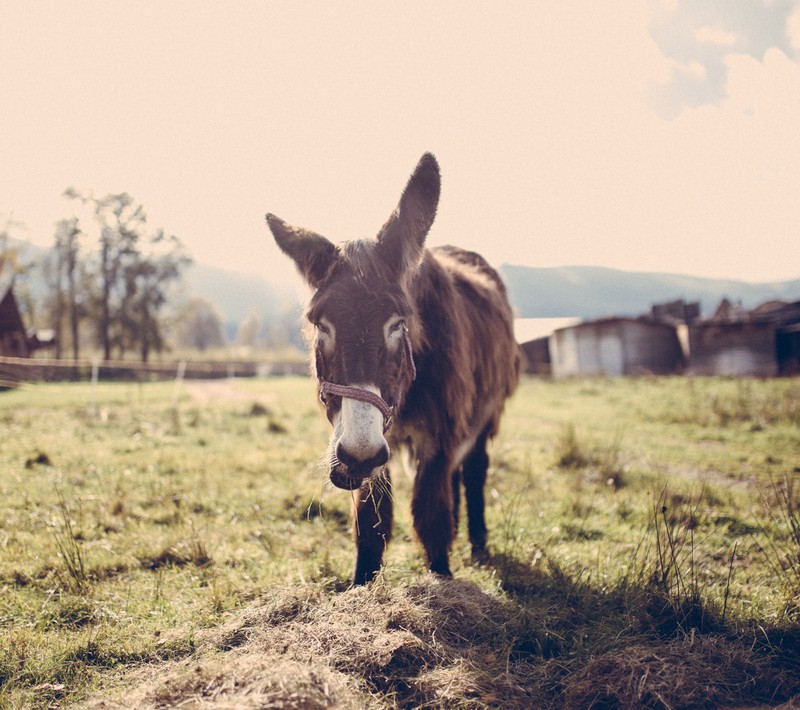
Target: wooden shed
[[762, 343], [533, 336], [736, 349], [615, 347]]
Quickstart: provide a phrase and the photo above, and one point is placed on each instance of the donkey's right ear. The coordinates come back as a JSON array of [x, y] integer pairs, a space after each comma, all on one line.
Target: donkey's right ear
[[402, 238], [313, 254]]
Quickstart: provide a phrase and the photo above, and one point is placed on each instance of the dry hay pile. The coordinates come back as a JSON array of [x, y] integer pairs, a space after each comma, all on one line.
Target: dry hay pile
[[431, 644], [693, 672], [441, 643]]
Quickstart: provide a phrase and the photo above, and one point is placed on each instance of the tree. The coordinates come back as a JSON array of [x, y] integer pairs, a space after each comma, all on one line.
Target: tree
[[248, 334], [14, 268], [9, 255], [131, 274], [121, 221], [198, 326], [147, 278], [65, 283], [121, 224]]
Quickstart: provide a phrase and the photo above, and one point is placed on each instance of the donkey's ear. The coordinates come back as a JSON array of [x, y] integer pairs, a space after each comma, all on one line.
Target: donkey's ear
[[313, 254], [402, 238]]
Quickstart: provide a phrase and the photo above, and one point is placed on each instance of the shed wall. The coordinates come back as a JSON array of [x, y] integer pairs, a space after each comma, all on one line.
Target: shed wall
[[733, 349]]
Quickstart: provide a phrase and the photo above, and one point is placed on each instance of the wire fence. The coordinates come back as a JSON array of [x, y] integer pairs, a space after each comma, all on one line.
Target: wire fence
[[14, 371]]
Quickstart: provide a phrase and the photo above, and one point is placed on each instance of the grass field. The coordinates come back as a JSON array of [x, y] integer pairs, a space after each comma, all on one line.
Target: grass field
[[162, 545]]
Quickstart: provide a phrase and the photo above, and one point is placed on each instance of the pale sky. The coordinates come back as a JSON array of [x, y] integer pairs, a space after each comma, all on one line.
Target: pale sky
[[647, 136]]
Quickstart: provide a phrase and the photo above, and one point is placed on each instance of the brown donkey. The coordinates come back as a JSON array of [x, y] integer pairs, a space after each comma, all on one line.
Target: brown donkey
[[412, 347]]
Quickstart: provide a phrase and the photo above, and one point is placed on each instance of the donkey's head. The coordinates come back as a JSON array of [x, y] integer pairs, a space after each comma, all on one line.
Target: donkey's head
[[361, 313]]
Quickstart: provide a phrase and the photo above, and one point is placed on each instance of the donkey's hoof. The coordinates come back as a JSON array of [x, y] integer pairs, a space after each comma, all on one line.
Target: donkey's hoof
[[481, 556], [442, 570]]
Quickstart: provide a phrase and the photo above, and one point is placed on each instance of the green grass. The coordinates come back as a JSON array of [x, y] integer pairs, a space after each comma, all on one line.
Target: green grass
[[160, 545]]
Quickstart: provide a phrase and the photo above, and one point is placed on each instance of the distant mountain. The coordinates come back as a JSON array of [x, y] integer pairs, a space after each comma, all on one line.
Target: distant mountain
[[236, 294], [579, 291], [595, 292], [569, 291]]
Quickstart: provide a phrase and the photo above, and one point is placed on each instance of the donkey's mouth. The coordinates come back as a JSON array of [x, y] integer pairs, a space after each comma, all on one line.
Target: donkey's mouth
[[349, 478], [349, 473], [341, 479]]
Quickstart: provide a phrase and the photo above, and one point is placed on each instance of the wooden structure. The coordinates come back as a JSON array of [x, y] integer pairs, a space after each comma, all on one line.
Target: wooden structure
[[732, 348], [614, 347], [763, 342], [13, 337], [533, 336]]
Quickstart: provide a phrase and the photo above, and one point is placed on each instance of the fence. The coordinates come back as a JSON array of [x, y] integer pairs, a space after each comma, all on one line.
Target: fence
[[15, 370]]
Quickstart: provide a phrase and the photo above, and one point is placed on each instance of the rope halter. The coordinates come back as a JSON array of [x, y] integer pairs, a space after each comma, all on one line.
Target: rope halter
[[363, 395]]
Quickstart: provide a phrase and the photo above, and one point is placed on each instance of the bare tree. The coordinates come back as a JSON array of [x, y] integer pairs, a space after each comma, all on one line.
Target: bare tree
[[66, 283], [121, 221]]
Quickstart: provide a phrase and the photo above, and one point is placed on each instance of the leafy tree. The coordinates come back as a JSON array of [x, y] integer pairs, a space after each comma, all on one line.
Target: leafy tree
[[122, 222], [10, 264], [147, 278], [14, 268], [198, 326], [249, 332], [131, 273]]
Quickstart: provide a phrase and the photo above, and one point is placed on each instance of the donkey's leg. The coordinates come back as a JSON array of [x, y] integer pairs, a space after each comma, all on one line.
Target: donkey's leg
[[456, 497], [432, 510], [372, 528], [474, 473]]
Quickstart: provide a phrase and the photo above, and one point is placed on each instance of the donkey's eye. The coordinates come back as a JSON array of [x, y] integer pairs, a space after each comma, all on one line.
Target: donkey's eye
[[397, 327], [324, 329]]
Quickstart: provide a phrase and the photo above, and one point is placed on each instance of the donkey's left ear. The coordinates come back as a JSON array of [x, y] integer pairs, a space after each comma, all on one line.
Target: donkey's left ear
[[314, 255], [402, 238]]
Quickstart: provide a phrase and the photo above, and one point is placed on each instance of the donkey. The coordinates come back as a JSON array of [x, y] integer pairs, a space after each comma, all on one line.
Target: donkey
[[414, 348]]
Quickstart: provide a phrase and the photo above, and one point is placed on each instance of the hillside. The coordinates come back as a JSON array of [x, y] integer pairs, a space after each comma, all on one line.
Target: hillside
[[581, 291], [574, 291], [592, 292], [236, 295]]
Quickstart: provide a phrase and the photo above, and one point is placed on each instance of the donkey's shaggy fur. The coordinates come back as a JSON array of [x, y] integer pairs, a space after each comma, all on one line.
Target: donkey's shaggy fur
[[373, 298]]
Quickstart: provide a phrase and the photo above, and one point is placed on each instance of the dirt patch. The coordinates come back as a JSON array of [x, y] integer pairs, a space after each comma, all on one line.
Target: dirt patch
[[205, 391]]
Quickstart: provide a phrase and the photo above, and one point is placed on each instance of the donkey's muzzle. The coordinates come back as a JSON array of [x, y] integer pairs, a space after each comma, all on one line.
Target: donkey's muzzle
[[349, 472]]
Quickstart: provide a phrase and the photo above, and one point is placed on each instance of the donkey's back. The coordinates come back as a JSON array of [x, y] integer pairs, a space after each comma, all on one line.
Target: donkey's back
[[469, 359]]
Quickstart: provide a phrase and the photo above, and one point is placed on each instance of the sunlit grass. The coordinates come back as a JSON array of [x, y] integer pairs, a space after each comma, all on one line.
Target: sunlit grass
[[141, 520]]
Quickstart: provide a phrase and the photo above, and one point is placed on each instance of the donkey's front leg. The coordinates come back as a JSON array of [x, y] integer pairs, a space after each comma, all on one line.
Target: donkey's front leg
[[372, 526], [432, 510]]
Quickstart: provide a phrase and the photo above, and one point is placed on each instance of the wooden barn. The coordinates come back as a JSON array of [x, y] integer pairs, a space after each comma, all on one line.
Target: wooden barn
[[736, 348], [15, 341], [533, 336], [787, 341], [615, 347], [764, 342], [13, 338]]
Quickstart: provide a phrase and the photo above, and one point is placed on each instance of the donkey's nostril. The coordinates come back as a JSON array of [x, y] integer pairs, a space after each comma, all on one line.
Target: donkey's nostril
[[382, 456], [362, 466]]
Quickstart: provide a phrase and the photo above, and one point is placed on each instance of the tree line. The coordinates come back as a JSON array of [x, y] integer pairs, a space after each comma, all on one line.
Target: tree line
[[112, 283], [108, 279]]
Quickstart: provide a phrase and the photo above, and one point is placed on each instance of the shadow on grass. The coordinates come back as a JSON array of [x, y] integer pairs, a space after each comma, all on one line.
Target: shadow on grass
[[636, 645]]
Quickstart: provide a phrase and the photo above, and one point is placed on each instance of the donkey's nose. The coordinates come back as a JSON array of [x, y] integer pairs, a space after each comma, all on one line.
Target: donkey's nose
[[361, 466]]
